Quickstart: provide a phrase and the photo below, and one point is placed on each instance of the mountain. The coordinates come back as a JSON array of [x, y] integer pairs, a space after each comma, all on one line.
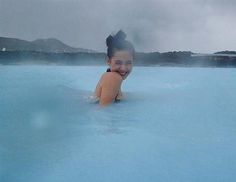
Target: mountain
[[39, 45], [53, 51]]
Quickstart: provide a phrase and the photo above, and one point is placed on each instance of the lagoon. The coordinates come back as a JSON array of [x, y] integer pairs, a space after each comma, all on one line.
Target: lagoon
[[176, 124]]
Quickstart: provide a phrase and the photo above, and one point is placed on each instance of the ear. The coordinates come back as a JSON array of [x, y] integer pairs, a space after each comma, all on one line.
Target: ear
[[108, 61]]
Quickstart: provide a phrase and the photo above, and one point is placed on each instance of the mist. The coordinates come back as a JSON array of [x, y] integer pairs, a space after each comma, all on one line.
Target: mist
[[204, 26]]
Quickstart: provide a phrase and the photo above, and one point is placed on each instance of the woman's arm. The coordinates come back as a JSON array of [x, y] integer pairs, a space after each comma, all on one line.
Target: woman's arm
[[110, 87]]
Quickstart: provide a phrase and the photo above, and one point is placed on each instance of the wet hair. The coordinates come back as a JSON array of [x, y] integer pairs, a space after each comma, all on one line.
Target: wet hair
[[118, 43]]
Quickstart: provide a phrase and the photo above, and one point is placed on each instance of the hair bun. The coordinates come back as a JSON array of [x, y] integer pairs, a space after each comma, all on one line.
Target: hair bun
[[109, 41], [120, 36], [117, 42]]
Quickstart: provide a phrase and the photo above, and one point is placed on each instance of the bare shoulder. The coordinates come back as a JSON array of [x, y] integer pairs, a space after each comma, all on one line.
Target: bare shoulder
[[111, 77], [109, 87]]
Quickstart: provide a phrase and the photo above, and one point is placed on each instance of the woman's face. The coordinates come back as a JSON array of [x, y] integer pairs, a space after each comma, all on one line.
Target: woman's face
[[122, 63]]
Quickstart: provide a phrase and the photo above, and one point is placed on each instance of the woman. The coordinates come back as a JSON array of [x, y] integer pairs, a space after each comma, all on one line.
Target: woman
[[120, 55]]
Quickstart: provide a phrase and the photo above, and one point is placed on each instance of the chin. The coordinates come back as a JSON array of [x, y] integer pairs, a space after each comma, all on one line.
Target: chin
[[124, 77]]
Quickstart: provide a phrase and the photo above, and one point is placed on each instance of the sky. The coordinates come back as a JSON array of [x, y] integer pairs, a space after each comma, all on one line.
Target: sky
[[200, 26]]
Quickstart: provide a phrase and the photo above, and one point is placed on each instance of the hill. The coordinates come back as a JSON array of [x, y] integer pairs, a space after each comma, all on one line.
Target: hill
[[39, 45]]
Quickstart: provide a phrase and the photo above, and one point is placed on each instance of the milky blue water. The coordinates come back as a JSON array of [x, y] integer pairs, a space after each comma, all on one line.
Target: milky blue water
[[176, 124]]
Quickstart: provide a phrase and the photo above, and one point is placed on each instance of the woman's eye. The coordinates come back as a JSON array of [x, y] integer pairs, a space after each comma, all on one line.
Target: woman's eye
[[128, 63], [118, 62]]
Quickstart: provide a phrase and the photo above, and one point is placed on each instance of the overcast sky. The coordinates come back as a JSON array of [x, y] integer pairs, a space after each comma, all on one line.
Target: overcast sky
[[204, 26]]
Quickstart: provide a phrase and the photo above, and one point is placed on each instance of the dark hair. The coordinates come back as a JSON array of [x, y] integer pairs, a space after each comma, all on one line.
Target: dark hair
[[118, 43]]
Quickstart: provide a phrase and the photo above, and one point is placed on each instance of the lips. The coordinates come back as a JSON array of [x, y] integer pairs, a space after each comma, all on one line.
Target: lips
[[123, 74]]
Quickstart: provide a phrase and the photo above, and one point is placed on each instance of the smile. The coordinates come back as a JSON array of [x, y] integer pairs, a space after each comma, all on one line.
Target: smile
[[122, 73]]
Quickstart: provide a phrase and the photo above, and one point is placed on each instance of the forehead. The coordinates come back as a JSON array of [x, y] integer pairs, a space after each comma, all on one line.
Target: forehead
[[122, 55]]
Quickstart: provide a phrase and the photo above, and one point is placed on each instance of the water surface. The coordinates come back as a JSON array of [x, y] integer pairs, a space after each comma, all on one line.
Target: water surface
[[176, 124]]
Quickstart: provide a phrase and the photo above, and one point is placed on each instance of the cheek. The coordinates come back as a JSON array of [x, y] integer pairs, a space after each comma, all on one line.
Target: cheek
[[114, 66], [130, 67]]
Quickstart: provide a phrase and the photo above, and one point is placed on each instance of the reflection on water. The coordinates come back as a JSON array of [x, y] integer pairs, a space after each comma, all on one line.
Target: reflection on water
[[174, 128]]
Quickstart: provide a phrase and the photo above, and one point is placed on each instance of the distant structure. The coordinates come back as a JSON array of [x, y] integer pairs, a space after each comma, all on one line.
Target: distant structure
[[4, 49], [213, 55], [217, 59]]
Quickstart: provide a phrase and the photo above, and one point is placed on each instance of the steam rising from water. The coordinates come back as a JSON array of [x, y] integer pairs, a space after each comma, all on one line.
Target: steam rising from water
[[193, 25]]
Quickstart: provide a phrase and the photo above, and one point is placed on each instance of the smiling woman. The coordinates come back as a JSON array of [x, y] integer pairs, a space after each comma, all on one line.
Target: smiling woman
[[120, 55]]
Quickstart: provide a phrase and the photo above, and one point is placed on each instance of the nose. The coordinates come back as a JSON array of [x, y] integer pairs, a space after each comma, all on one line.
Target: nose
[[123, 67]]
